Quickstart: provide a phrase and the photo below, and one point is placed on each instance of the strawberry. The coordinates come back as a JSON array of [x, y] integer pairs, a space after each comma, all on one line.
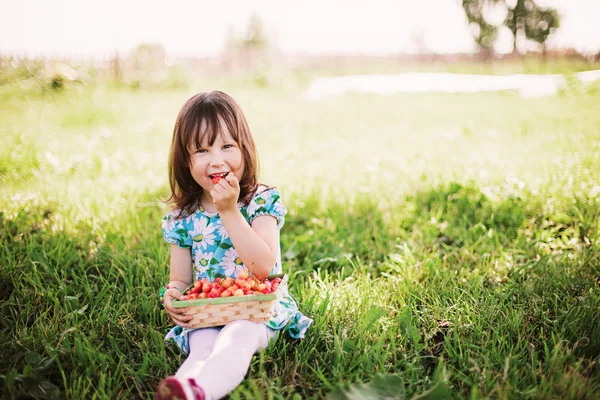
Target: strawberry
[[216, 179]]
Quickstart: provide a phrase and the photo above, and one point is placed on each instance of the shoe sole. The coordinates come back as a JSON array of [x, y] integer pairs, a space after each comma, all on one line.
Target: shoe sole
[[170, 389]]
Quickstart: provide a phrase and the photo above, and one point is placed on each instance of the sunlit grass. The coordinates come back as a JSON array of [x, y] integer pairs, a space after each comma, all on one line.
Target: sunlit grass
[[447, 239]]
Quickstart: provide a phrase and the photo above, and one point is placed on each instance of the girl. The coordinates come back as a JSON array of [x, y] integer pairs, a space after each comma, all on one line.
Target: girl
[[223, 222]]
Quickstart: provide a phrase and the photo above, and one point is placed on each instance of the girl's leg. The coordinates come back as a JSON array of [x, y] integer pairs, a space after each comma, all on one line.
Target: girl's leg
[[230, 359], [202, 342]]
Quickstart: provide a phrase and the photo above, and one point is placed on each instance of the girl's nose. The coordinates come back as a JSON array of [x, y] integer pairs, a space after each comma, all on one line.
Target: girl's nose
[[216, 159]]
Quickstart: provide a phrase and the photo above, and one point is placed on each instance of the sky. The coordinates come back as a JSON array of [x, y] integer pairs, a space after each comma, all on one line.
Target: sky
[[199, 28]]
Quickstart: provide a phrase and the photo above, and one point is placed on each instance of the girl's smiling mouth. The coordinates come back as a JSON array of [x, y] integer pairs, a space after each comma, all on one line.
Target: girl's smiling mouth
[[219, 174], [215, 178]]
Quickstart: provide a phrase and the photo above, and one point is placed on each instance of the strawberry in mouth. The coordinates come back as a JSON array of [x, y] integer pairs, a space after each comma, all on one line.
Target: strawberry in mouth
[[216, 178]]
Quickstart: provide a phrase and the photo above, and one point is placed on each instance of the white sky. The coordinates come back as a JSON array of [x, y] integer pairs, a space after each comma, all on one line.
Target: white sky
[[199, 27]]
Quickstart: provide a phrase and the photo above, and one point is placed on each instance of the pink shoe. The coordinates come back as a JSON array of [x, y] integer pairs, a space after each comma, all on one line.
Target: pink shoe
[[173, 388]]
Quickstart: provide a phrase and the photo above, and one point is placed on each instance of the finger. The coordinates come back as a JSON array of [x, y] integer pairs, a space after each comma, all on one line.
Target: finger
[[182, 318], [170, 310], [183, 322], [174, 310], [175, 294], [224, 183], [232, 180], [217, 188], [168, 301]]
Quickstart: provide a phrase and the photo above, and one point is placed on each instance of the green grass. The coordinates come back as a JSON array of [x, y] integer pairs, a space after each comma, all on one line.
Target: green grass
[[449, 240]]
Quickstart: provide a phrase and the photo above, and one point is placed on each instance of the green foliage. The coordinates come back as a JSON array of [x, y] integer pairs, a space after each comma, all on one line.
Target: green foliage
[[525, 17], [387, 387], [18, 159], [534, 22], [485, 34], [255, 36], [12, 71]]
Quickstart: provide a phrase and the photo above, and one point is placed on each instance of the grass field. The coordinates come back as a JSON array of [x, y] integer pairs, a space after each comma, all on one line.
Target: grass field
[[446, 246]]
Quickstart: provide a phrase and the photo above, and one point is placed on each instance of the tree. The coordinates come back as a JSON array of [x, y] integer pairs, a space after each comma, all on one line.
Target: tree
[[536, 23], [249, 50], [524, 18], [485, 34], [255, 37]]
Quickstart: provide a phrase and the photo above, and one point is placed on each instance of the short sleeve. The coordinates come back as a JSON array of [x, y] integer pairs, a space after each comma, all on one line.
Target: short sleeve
[[174, 231], [267, 202]]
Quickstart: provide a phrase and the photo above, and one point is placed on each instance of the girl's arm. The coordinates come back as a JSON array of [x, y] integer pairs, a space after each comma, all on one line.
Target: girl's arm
[[181, 268], [257, 245], [181, 278]]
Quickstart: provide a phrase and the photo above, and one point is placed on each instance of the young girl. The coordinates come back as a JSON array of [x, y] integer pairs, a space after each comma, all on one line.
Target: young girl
[[223, 222]]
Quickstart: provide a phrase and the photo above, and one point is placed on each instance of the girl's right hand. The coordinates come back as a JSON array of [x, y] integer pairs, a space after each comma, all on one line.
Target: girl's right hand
[[176, 314]]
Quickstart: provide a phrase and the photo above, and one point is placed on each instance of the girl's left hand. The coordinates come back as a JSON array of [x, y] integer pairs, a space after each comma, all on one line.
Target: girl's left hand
[[225, 194]]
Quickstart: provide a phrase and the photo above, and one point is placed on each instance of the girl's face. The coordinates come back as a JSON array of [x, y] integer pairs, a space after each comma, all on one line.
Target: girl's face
[[222, 157]]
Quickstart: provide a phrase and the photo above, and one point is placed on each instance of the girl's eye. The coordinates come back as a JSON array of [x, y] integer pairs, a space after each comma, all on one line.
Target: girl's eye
[[228, 146], [200, 151]]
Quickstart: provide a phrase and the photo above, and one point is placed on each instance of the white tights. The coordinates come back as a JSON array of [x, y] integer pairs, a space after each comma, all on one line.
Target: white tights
[[219, 360]]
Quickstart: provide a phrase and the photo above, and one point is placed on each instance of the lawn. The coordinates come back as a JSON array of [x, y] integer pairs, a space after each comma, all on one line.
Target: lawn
[[445, 245]]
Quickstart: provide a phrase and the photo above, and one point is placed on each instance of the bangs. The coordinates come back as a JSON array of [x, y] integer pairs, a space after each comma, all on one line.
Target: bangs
[[209, 124]]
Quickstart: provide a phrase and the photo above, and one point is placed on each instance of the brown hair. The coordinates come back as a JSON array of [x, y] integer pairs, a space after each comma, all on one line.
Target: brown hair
[[209, 110]]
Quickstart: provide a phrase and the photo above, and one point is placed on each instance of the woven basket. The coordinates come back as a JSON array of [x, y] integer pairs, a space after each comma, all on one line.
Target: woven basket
[[220, 311]]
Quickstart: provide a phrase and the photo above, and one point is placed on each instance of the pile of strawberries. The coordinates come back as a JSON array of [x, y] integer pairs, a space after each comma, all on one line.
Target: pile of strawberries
[[243, 285]]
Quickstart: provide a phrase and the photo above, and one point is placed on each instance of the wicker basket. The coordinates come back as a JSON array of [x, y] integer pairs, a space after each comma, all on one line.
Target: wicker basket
[[220, 311]]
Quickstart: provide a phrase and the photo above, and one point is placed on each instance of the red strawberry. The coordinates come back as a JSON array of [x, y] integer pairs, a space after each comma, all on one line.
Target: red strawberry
[[216, 179]]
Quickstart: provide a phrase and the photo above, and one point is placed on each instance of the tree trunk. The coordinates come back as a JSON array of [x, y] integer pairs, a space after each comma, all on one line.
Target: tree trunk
[[544, 54]]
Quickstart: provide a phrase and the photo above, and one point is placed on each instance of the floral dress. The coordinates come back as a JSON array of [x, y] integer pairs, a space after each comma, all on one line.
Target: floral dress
[[213, 255]]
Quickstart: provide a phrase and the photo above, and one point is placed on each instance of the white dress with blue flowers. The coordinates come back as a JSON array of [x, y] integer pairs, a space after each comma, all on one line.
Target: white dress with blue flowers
[[213, 255]]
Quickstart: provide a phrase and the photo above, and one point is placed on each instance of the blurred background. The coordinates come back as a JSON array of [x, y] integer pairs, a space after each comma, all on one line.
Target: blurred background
[[427, 76], [146, 43]]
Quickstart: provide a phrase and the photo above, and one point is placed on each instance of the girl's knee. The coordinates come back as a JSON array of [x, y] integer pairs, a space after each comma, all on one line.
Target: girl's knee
[[242, 325], [202, 342], [245, 329], [201, 352]]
